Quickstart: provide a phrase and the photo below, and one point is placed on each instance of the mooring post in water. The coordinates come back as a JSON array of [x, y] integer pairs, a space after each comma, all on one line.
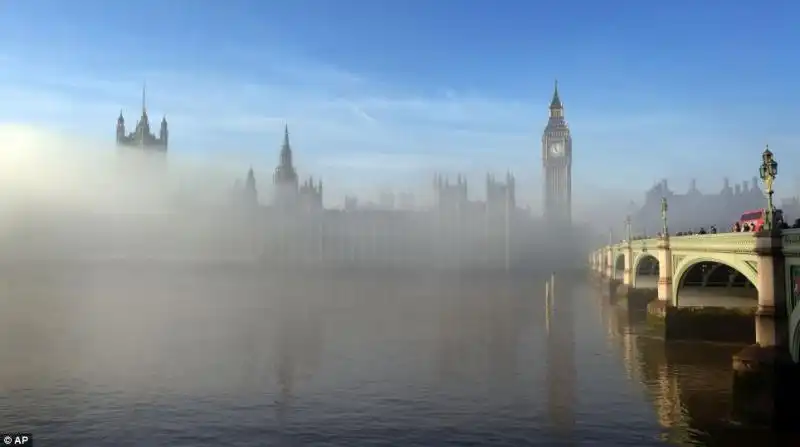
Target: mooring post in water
[[552, 283], [547, 306]]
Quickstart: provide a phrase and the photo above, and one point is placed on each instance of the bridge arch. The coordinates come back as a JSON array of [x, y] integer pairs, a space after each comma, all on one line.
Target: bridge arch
[[795, 343], [619, 261], [644, 257], [794, 334], [702, 271], [645, 264]]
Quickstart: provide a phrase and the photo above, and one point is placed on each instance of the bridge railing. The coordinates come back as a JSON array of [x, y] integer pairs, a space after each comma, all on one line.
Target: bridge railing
[[715, 242], [649, 243], [790, 239], [645, 244], [721, 241]]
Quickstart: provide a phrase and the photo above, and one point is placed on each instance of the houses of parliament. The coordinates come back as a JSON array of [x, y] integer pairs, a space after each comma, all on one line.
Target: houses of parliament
[[292, 195], [495, 231]]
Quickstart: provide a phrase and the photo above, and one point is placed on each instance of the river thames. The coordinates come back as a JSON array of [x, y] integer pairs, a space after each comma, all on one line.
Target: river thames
[[169, 355]]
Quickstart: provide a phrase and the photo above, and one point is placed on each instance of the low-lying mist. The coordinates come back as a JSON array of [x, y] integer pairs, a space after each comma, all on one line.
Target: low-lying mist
[[57, 193], [66, 199], [146, 274]]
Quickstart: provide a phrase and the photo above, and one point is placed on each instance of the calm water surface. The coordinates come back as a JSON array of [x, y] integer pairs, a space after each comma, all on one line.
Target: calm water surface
[[230, 355]]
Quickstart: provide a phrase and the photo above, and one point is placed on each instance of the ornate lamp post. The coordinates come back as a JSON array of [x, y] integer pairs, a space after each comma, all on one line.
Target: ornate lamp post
[[768, 172], [628, 228], [664, 229]]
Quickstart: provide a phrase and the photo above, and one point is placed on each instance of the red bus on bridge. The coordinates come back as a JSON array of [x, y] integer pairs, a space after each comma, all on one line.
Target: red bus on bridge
[[755, 218]]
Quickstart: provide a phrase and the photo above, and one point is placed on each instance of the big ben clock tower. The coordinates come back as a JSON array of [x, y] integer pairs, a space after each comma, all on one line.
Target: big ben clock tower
[[557, 166]]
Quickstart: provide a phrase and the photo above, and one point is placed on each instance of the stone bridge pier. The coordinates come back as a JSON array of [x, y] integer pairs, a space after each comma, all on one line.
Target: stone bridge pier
[[771, 351], [627, 268], [664, 272]]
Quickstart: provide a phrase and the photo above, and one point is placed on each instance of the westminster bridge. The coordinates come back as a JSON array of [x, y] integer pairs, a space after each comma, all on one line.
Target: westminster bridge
[[762, 267]]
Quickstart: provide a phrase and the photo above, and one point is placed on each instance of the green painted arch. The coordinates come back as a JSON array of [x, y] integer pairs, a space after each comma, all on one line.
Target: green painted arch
[[690, 262]]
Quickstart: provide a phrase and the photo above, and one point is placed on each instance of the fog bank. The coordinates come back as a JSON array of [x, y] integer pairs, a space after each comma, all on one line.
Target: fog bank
[[70, 199]]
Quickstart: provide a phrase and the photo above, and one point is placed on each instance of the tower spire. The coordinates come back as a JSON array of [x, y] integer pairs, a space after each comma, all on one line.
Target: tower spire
[[144, 98], [286, 149], [556, 102]]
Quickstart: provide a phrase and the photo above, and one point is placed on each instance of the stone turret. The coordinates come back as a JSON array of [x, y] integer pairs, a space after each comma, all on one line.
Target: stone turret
[[142, 138]]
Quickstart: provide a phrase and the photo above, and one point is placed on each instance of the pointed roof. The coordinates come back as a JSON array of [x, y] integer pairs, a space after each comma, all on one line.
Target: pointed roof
[[767, 152], [286, 152], [556, 102], [250, 183], [144, 99], [286, 148]]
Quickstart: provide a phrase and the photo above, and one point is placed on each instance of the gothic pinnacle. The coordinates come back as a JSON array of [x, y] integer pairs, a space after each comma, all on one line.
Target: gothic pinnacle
[[556, 102]]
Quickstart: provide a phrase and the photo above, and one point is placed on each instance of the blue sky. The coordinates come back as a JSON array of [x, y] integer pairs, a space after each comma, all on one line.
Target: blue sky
[[380, 92]]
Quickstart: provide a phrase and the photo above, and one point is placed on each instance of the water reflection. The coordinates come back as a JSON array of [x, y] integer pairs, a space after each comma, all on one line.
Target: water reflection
[[689, 384], [560, 347], [478, 332], [199, 355], [299, 344]]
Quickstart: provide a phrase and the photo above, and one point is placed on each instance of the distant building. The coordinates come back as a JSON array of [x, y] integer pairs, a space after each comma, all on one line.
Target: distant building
[[694, 209], [250, 190], [450, 197], [500, 196], [455, 232], [141, 137], [791, 209], [246, 193], [310, 195], [454, 198], [289, 195]]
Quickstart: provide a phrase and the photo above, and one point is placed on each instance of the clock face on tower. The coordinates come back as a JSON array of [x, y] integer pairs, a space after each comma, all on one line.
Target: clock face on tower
[[556, 149]]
